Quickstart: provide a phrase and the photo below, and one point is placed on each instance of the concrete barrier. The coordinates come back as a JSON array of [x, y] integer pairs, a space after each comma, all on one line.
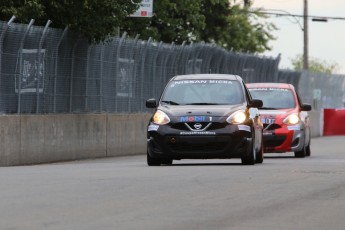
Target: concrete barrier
[[126, 134], [316, 123], [9, 140], [35, 139]]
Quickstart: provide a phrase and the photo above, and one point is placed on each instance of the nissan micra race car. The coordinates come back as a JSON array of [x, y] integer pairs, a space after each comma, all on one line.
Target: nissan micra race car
[[203, 116], [285, 118]]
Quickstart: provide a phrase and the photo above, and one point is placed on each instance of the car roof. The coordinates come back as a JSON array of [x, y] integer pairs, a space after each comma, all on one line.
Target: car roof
[[270, 85], [206, 76]]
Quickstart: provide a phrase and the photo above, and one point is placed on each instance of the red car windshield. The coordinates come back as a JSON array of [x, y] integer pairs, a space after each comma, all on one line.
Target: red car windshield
[[274, 98]]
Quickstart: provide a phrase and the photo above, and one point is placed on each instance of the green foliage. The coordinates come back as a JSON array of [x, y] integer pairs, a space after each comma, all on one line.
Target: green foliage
[[216, 13], [228, 23], [95, 19], [173, 21], [223, 22], [244, 33], [315, 65], [23, 10]]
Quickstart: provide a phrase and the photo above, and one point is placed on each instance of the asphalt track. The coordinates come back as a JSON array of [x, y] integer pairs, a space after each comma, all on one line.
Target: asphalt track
[[124, 193]]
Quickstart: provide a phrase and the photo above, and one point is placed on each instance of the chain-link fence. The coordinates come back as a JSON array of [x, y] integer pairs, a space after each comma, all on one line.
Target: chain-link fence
[[46, 70], [323, 90]]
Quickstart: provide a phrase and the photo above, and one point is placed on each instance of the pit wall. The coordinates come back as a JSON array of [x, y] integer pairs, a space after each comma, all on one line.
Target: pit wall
[[35, 139]]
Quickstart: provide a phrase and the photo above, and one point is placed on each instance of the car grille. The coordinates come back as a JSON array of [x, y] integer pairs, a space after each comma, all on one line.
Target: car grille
[[271, 126], [197, 147], [213, 126], [274, 141]]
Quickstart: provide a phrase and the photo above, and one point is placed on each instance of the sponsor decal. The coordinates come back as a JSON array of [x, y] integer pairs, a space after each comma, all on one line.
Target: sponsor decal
[[201, 82], [191, 82], [268, 120], [192, 119], [268, 89], [271, 112], [268, 134], [244, 128], [197, 133], [294, 127], [152, 127]]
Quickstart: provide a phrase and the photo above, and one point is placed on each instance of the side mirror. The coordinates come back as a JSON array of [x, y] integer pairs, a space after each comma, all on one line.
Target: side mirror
[[306, 107], [151, 103], [256, 103]]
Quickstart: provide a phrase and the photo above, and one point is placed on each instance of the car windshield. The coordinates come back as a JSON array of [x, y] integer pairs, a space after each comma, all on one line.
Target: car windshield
[[203, 92], [274, 98]]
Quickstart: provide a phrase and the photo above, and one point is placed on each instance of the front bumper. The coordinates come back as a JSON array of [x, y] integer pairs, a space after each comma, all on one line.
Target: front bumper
[[284, 139], [227, 142]]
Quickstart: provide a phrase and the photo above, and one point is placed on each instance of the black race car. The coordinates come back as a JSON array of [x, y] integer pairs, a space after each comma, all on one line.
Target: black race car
[[204, 116]]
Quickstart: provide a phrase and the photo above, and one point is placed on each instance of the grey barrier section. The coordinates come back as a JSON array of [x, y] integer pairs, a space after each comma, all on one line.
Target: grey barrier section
[[50, 71], [35, 139]]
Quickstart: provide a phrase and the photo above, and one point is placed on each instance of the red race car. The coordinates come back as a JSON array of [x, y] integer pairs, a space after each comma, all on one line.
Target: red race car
[[284, 117]]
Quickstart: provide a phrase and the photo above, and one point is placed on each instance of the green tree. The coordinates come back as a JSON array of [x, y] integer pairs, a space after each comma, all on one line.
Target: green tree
[[173, 21], [23, 10], [216, 13], [95, 19], [315, 65], [235, 27], [223, 22]]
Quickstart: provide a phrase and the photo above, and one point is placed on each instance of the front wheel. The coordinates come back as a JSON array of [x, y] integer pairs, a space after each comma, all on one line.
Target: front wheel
[[167, 161], [308, 152], [249, 159], [153, 161], [302, 153], [260, 153]]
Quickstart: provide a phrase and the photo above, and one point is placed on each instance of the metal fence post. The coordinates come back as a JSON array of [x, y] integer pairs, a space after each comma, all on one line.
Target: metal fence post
[[118, 66], [72, 74], [154, 69], [2, 36], [20, 64], [142, 77], [131, 70], [101, 80], [56, 66], [39, 66], [87, 77]]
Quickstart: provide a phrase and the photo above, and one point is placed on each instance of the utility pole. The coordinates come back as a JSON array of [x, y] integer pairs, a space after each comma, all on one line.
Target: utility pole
[[247, 3], [305, 37]]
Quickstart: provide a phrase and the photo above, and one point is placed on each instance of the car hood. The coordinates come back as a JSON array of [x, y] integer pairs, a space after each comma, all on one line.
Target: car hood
[[200, 110]]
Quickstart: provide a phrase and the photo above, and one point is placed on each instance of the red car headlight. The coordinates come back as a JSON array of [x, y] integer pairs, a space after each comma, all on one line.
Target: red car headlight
[[292, 119]]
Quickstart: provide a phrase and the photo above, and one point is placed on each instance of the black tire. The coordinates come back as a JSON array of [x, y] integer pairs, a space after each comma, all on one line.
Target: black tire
[[167, 161], [260, 154], [153, 161], [302, 153], [308, 152], [249, 159]]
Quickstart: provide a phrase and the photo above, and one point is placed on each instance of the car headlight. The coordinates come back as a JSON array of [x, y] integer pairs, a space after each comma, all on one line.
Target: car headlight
[[237, 117], [160, 118], [292, 119]]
